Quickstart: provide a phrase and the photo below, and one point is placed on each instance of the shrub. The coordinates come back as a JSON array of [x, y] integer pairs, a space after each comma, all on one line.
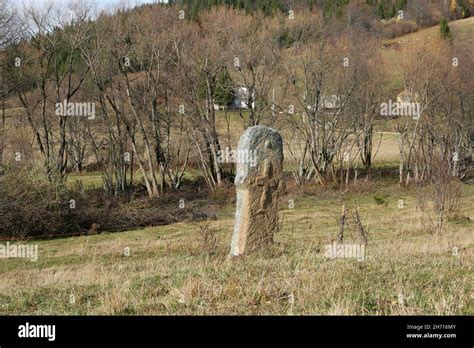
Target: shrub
[[30, 205], [444, 29], [380, 199], [394, 28]]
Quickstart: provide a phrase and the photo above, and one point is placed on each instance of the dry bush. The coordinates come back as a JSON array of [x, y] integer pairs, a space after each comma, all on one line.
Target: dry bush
[[360, 231], [30, 205], [439, 198], [210, 242], [393, 28], [351, 218]]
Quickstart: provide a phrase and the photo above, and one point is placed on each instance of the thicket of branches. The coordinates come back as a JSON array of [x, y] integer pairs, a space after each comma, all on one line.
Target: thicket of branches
[[155, 77]]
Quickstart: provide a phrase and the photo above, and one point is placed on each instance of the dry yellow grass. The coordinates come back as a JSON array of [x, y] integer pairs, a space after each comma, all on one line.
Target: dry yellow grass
[[168, 271], [462, 29]]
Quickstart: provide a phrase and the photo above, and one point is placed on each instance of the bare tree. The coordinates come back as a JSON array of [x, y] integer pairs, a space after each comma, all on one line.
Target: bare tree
[[136, 96], [368, 97], [8, 34], [440, 85], [256, 61], [49, 72], [202, 59], [324, 87]]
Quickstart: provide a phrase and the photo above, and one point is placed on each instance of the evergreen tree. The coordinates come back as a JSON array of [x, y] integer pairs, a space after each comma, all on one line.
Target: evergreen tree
[[444, 29], [381, 10], [225, 89], [400, 4], [465, 12], [393, 12]]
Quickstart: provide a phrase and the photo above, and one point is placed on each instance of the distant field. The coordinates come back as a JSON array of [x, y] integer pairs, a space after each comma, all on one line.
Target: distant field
[[462, 33], [229, 134], [462, 30], [385, 153]]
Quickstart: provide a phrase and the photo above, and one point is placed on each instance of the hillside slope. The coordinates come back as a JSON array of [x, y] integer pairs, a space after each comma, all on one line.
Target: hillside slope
[[462, 29]]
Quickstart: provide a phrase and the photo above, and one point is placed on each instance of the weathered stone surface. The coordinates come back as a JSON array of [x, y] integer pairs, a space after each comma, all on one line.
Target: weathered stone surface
[[258, 184]]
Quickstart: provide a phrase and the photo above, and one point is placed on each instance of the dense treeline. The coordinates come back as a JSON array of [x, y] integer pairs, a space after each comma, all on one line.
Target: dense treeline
[[422, 11]]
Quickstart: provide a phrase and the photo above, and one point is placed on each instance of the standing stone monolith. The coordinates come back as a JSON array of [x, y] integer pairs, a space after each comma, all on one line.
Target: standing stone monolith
[[258, 183]]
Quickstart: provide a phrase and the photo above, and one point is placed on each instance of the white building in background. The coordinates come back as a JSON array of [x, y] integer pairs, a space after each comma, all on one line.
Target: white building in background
[[407, 96], [327, 102], [408, 102], [242, 98]]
